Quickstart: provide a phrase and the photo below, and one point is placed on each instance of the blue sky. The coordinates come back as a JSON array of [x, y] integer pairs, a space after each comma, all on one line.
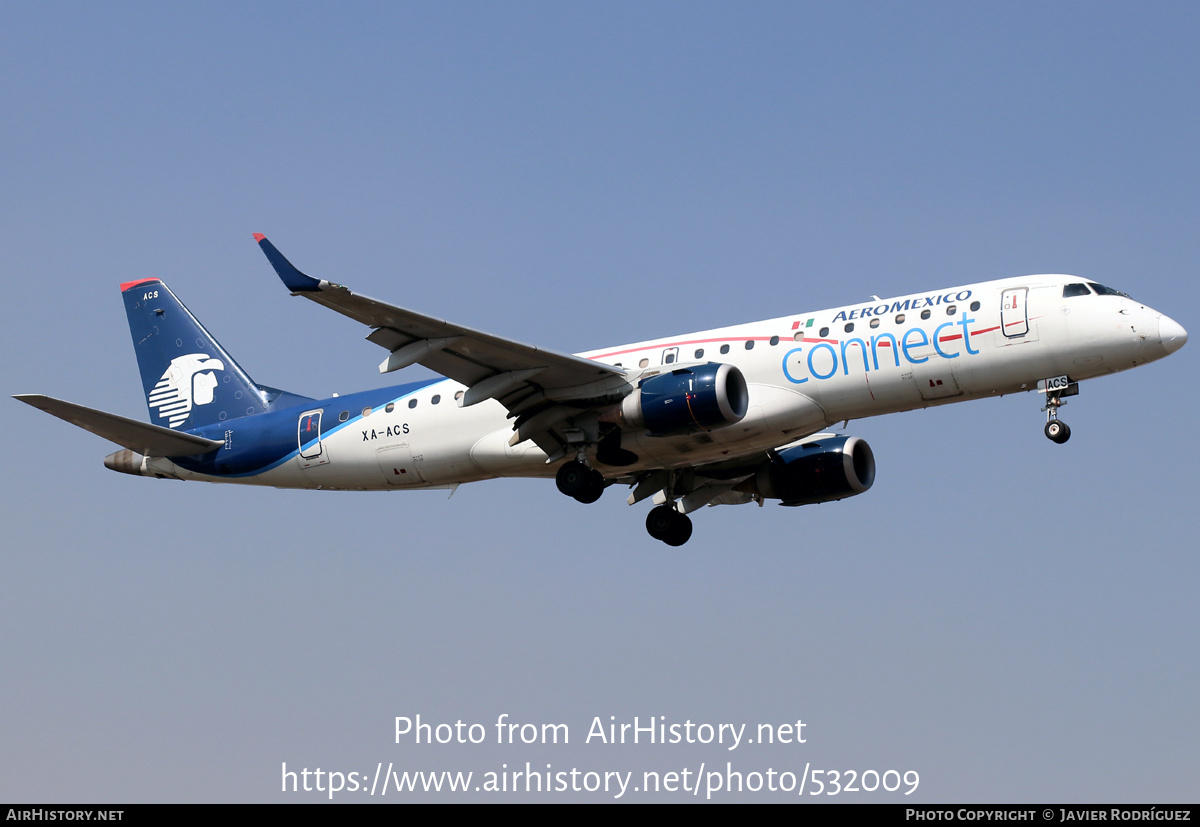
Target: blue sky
[[1013, 619]]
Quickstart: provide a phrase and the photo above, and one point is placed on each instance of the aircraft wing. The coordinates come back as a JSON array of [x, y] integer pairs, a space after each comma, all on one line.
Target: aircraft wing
[[148, 440], [520, 376]]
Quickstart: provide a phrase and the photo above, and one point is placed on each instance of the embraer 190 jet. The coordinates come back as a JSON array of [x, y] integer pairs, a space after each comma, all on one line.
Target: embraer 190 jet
[[719, 417]]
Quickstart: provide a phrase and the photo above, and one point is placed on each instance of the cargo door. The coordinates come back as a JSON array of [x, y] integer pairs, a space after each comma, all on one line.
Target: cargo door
[[398, 465]]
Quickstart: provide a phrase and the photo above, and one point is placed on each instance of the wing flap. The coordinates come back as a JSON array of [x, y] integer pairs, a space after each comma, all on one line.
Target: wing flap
[[145, 439]]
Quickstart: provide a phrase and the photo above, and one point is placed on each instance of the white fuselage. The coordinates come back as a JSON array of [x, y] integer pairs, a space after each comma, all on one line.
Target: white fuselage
[[804, 372]]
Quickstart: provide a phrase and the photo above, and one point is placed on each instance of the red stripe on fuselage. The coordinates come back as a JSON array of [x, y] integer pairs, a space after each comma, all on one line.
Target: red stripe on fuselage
[[731, 340], [667, 345]]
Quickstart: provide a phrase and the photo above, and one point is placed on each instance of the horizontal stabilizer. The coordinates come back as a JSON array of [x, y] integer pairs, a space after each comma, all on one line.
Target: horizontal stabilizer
[[148, 440]]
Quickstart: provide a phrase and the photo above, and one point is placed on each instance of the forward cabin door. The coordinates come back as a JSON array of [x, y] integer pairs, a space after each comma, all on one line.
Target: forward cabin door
[[1014, 312]]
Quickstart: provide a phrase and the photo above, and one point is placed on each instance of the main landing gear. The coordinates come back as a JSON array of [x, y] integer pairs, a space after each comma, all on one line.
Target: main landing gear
[[576, 479], [666, 524], [668, 520]]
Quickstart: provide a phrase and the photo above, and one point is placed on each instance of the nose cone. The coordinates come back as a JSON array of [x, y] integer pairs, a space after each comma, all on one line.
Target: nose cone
[[1171, 334]]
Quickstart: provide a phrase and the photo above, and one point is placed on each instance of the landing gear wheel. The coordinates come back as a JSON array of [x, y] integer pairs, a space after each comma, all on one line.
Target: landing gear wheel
[[577, 480], [660, 520], [666, 524], [593, 487], [572, 477], [1057, 431], [681, 532]]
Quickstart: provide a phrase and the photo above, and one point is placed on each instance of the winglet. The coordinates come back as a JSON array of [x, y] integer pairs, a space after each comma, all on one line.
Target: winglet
[[292, 278]]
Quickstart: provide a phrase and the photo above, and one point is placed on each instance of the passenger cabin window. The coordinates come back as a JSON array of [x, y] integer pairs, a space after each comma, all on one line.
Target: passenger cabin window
[[874, 323], [951, 310], [774, 341], [1071, 290], [436, 399], [849, 327], [824, 332], [700, 353], [749, 344], [924, 314], [724, 348], [974, 306], [799, 336], [391, 406], [412, 403], [344, 416], [899, 318], [644, 363]]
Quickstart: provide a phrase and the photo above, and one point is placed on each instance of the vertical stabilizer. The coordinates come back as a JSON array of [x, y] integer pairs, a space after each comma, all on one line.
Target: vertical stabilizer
[[188, 378]]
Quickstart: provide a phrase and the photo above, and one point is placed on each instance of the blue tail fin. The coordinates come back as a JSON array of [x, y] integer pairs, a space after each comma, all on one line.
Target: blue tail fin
[[189, 379]]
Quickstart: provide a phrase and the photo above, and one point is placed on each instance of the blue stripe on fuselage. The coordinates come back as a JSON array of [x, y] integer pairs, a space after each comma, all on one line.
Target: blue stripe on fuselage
[[256, 444]]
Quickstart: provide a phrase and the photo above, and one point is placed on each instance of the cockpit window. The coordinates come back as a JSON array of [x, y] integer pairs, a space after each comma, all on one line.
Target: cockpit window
[[1076, 290], [1106, 291]]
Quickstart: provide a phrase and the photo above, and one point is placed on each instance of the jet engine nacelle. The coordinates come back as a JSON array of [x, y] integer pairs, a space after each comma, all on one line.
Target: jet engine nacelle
[[694, 398], [820, 471]]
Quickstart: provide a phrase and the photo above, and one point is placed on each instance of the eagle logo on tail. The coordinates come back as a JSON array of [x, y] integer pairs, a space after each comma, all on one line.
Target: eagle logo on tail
[[188, 381]]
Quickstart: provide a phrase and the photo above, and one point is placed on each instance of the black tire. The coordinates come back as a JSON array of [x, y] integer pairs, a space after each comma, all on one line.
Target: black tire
[[593, 487], [681, 530], [1057, 431], [572, 477], [660, 521]]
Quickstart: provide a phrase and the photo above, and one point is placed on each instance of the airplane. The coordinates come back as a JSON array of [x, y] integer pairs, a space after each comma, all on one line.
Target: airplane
[[720, 417]]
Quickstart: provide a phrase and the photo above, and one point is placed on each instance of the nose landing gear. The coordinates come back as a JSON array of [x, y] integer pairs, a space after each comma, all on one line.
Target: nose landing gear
[[1058, 431], [1055, 389]]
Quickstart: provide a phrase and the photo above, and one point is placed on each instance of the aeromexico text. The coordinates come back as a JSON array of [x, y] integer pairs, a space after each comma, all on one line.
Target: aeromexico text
[[824, 358], [899, 306]]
